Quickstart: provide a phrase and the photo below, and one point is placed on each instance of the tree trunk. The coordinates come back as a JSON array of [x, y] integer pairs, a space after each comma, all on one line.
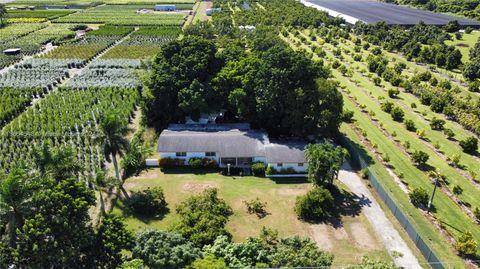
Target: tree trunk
[[117, 174], [117, 171], [102, 204]]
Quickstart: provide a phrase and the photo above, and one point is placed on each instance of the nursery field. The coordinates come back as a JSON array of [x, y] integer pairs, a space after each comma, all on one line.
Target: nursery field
[[394, 138], [351, 240], [123, 15], [59, 88]]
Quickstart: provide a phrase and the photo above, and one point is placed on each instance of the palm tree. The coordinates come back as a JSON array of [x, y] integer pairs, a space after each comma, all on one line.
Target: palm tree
[[15, 193], [3, 11], [114, 141], [100, 182], [59, 163]]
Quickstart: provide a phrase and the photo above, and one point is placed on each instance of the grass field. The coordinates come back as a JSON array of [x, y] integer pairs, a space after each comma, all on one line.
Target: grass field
[[465, 44], [349, 240]]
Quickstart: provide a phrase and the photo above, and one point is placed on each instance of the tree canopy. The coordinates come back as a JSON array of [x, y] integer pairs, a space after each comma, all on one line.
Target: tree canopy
[[324, 162]]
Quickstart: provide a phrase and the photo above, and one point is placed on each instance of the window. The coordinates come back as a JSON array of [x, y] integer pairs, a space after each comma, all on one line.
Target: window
[[279, 164], [181, 154], [210, 154], [300, 164]]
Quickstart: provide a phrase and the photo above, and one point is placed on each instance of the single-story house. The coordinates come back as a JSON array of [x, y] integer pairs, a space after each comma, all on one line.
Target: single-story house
[[165, 7], [231, 144]]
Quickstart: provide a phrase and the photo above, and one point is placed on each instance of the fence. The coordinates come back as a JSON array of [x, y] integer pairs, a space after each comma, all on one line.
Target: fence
[[429, 255]]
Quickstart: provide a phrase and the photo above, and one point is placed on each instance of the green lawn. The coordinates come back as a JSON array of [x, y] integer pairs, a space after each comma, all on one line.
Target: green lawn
[[350, 241]]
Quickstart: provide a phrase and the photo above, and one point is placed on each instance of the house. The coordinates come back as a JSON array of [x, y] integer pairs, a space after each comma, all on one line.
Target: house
[[234, 145], [286, 155], [165, 8]]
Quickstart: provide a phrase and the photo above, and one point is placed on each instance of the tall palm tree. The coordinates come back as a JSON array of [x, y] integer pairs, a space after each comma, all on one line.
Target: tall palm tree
[[100, 182], [59, 163], [15, 193], [113, 138], [3, 11]]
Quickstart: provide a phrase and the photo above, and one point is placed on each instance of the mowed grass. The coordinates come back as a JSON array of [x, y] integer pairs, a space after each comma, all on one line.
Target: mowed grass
[[465, 44], [351, 240]]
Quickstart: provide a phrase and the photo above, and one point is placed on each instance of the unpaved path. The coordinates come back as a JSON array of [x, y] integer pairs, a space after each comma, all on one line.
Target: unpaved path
[[380, 223]]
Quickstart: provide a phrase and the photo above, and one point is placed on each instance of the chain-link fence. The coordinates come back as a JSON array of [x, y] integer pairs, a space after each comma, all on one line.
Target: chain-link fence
[[426, 251]]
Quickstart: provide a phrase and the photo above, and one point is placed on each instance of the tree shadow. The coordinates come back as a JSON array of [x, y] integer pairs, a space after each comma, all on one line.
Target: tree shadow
[[346, 204], [189, 170], [290, 180], [425, 167], [146, 219]]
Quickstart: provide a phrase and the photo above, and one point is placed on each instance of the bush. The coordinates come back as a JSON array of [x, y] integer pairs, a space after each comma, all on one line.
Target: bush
[[466, 245], [317, 204], [419, 196], [449, 133], [419, 157], [256, 207], [271, 171], [149, 202], [397, 114], [347, 115], [457, 190], [387, 106], [410, 125], [469, 144], [202, 163], [171, 162], [476, 212], [437, 124], [258, 169], [393, 93]]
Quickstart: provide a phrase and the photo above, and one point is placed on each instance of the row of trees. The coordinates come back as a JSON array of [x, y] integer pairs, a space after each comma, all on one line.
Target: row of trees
[[466, 8], [412, 42]]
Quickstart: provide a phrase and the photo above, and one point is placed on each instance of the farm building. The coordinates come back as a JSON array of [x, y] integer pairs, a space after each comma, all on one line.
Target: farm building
[[165, 8], [230, 144]]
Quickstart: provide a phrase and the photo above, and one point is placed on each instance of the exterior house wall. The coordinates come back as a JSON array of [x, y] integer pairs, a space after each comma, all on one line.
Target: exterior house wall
[[290, 165]]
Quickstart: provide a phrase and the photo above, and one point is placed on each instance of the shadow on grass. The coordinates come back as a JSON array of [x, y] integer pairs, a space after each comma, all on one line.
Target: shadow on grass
[[146, 219], [189, 170], [290, 180], [346, 204]]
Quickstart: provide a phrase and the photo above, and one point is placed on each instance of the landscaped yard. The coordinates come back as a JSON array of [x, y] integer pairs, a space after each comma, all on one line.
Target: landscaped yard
[[350, 238]]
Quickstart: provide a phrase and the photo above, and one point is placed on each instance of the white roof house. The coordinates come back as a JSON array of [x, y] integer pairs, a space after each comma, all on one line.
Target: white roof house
[[234, 144]]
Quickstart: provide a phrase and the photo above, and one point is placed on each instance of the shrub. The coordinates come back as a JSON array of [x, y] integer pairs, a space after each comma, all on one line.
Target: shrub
[[419, 196], [202, 163], [457, 190], [410, 125], [387, 106], [317, 204], [437, 124], [171, 162], [256, 207], [364, 173], [393, 92], [419, 157], [397, 114], [466, 245], [469, 144], [448, 132], [258, 169], [149, 202], [476, 212], [271, 171], [347, 115], [195, 162]]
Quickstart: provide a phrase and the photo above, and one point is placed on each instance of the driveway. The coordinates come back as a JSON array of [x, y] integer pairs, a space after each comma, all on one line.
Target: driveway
[[382, 226]]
